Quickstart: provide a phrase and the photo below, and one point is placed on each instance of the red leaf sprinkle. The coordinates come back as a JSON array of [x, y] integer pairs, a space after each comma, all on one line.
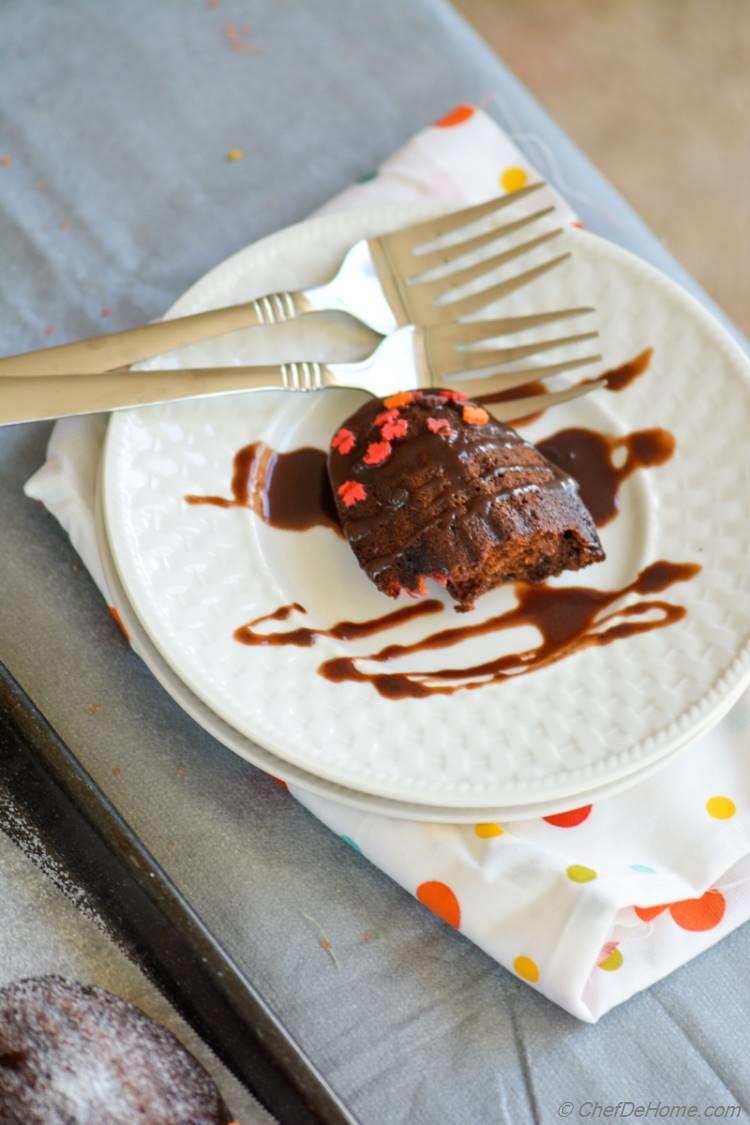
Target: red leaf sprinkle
[[392, 431], [351, 492], [343, 441], [439, 426], [377, 452]]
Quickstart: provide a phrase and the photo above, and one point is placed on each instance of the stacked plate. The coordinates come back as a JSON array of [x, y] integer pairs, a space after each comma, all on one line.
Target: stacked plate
[[184, 577]]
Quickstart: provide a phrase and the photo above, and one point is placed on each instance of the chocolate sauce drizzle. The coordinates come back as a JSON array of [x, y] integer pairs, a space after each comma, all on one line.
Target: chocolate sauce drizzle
[[342, 631], [569, 619], [616, 379], [291, 491]]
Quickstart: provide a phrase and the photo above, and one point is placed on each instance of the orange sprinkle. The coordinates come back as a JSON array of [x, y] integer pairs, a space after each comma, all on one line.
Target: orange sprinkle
[[106, 311], [377, 452], [93, 708], [454, 396], [235, 154], [420, 586], [475, 415], [351, 492], [116, 771], [386, 416], [279, 782], [343, 440], [181, 771], [6, 161], [49, 330], [401, 398]]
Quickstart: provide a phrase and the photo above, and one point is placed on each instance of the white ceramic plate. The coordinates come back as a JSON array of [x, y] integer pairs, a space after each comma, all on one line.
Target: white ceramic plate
[[194, 574], [294, 775]]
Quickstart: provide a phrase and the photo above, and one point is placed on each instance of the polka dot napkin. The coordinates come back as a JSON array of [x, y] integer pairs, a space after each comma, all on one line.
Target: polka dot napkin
[[588, 906]]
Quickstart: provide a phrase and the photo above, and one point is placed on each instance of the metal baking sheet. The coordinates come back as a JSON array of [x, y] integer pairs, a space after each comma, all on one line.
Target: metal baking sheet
[[119, 882]]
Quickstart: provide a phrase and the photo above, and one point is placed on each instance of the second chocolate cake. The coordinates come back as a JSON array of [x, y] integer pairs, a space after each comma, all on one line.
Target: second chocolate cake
[[431, 486], [74, 1054]]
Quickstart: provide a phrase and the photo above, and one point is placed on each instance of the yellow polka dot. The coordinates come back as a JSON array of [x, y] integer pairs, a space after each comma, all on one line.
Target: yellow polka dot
[[484, 831], [526, 968], [235, 154], [720, 807], [513, 178], [614, 961], [580, 874]]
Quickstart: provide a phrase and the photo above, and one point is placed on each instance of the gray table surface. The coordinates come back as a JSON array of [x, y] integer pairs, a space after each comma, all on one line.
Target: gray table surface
[[117, 120]]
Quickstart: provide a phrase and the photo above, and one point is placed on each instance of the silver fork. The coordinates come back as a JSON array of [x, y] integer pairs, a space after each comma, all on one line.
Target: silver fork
[[380, 282], [409, 359]]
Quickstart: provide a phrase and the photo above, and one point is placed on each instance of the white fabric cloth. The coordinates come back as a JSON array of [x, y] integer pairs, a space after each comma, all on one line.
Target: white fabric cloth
[[551, 900]]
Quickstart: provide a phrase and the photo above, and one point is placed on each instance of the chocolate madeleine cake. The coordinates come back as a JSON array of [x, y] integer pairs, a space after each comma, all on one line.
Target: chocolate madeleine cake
[[73, 1054], [431, 486]]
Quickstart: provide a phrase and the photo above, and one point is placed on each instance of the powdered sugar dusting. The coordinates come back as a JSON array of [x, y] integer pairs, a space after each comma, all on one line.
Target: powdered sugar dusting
[[22, 831]]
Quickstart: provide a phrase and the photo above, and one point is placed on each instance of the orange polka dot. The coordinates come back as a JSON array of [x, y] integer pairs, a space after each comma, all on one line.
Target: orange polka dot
[[526, 968], [699, 913], [513, 179], [569, 819], [456, 116], [440, 899], [648, 913]]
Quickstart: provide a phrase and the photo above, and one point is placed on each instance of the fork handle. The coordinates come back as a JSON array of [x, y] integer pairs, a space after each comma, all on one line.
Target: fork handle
[[49, 396], [119, 349]]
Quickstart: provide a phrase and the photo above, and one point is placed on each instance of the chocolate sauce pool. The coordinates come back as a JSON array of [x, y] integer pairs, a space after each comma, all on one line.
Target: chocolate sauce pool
[[588, 456], [291, 491]]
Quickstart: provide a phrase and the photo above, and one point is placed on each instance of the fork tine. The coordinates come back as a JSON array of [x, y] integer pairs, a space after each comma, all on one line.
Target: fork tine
[[468, 332], [480, 388], [454, 220], [433, 258], [465, 305], [478, 358], [441, 285], [533, 404]]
